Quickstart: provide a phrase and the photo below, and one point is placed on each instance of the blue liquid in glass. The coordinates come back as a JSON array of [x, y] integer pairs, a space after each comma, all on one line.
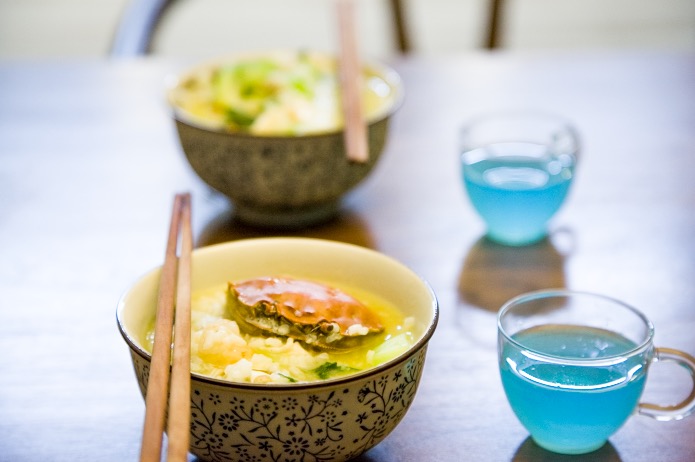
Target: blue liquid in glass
[[517, 194], [572, 409]]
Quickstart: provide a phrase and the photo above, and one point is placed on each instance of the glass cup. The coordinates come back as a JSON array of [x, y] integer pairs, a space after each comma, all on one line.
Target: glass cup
[[517, 169], [574, 365]]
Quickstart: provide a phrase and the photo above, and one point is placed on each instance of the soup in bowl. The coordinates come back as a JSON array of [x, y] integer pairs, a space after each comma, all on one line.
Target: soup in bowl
[[279, 393], [266, 130]]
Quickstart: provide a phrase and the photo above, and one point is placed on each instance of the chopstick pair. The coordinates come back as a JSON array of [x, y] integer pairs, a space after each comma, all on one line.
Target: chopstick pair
[[164, 384], [355, 133]]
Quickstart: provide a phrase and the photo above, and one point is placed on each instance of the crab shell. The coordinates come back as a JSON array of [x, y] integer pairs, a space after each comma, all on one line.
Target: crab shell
[[311, 312]]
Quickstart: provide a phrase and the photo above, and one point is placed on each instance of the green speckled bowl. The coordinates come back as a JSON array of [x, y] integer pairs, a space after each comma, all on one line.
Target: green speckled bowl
[[283, 181], [333, 420]]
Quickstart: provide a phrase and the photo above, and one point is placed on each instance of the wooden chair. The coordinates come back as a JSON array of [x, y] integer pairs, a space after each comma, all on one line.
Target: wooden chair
[[493, 32], [139, 23], [138, 26]]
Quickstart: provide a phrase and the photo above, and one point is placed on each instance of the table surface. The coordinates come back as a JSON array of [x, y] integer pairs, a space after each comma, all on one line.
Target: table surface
[[89, 164]]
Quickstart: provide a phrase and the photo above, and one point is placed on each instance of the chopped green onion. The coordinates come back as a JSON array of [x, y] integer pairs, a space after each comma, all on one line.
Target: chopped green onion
[[328, 369]]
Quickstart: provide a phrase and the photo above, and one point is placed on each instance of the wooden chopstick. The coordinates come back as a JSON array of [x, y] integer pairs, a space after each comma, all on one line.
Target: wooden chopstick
[[158, 383], [179, 425], [355, 133]]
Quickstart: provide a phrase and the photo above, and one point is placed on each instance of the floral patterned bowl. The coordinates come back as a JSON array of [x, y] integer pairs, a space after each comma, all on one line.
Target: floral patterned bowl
[[332, 420]]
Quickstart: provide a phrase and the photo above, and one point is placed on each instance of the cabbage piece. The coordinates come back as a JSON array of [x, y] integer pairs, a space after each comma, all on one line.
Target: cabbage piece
[[391, 348]]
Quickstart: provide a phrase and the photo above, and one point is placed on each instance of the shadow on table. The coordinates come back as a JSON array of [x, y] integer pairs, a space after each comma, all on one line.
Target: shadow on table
[[494, 273], [345, 227], [529, 451]]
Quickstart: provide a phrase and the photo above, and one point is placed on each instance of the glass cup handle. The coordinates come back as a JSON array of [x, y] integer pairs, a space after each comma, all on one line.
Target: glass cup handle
[[685, 407]]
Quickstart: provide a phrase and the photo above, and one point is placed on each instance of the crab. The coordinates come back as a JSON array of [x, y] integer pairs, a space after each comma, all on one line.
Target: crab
[[316, 314]]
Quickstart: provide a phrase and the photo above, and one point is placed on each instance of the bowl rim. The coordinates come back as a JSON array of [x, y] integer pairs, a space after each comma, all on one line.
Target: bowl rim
[[173, 81], [358, 376]]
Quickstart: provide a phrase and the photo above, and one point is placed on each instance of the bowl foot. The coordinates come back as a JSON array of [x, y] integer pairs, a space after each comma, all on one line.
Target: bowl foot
[[286, 218]]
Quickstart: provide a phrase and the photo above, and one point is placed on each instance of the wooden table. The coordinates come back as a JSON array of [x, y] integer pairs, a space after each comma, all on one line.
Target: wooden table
[[89, 163]]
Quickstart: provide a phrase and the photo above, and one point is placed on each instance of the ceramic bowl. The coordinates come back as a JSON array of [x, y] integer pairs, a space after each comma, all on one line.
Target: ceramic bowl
[[331, 420], [281, 181]]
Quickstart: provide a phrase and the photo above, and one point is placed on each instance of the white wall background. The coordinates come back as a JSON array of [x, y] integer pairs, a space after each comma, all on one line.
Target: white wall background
[[72, 28]]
